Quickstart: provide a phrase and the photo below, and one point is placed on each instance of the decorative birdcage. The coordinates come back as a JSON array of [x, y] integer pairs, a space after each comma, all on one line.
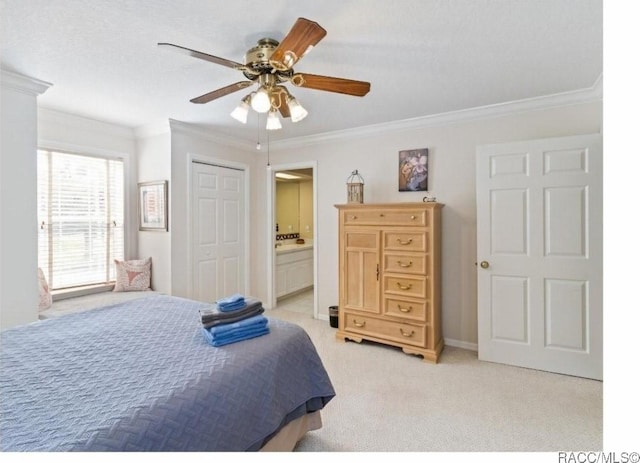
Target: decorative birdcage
[[355, 188]]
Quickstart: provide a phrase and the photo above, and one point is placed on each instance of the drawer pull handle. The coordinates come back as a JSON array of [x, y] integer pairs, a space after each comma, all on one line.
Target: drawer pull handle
[[406, 335], [403, 265], [404, 288], [405, 309], [381, 215], [359, 325], [413, 217], [405, 243], [354, 217]]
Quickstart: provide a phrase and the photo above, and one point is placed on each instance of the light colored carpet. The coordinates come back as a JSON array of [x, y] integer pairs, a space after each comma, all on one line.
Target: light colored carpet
[[390, 401]]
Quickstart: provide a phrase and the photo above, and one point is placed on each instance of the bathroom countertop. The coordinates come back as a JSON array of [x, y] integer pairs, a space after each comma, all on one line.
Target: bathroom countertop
[[287, 248]]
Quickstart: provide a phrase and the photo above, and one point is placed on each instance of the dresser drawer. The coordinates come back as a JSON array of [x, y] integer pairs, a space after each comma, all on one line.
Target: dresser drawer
[[405, 285], [411, 310], [394, 240], [395, 331], [415, 217], [405, 263]]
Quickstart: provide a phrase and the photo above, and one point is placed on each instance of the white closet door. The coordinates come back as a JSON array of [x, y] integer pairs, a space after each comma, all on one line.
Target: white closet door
[[218, 232], [539, 206]]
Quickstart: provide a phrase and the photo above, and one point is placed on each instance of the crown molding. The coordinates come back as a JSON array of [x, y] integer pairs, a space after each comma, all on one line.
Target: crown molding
[[209, 134], [22, 83], [152, 130], [582, 96], [77, 122], [575, 97]]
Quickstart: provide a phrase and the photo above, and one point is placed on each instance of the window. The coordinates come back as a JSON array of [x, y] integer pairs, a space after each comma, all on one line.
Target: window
[[80, 217]]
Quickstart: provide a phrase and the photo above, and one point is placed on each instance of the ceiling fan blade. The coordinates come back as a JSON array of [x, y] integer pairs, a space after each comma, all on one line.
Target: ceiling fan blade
[[303, 36], [284, 106], [207, 97], [204, 56], [331, 84]]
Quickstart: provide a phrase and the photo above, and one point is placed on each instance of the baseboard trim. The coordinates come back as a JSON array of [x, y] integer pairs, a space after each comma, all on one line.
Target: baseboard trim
[[461, 344]]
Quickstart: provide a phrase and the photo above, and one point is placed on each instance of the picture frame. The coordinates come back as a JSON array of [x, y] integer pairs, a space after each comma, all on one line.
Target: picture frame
[[153, 209], [413, 170]]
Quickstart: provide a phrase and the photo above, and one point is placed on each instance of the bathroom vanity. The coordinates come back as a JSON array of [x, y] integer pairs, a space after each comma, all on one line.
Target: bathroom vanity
[[294, 268]]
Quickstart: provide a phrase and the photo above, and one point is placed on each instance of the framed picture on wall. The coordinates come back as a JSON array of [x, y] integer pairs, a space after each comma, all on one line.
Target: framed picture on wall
[[413, 170], [153, 205]]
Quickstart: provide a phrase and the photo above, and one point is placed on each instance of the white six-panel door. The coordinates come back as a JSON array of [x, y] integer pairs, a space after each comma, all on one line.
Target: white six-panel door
[[217, 232], [539, 209]]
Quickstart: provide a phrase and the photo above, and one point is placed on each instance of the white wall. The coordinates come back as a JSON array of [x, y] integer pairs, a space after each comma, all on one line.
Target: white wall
[[18, 221], [451, 147], [154, 163]]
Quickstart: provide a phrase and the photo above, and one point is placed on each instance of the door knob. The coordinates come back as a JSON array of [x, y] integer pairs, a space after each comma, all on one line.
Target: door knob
[[484, 264]]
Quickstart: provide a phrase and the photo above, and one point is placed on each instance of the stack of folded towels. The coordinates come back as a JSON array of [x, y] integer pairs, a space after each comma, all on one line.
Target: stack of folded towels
[[232, 319]]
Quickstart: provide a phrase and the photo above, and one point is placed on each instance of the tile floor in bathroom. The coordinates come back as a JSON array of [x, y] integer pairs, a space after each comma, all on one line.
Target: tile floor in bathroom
[[300, 303]]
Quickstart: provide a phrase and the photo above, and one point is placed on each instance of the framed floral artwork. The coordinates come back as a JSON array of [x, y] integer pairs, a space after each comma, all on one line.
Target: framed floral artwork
[[413, 170]]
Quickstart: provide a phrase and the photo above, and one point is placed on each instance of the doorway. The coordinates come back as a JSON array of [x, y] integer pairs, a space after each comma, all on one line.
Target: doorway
[[540, 254], [292, 225], [218, 231]]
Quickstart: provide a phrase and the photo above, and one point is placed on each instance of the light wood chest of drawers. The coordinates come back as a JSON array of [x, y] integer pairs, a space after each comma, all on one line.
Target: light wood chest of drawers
[[389, 258]]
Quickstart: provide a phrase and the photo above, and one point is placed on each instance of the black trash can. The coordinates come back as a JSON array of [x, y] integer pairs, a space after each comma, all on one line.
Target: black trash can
[[333, 316]]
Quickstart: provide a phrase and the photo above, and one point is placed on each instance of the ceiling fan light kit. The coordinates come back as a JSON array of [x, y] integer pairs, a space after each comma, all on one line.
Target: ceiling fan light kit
[[273, 121], [241, 112], [261, 100], [297, 111], [270, 64]]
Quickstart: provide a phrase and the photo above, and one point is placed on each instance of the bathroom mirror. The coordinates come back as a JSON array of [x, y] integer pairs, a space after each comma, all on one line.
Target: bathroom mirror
[[294, 202]]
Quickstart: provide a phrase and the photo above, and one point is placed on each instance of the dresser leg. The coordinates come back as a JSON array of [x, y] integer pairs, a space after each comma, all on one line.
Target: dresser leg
[[345, 337]]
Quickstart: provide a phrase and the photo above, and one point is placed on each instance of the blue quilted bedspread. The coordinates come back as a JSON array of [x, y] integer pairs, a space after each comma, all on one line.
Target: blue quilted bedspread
[[139, 376]]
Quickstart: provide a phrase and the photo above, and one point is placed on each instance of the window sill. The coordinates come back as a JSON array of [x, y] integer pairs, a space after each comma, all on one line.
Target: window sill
[[61, 294]]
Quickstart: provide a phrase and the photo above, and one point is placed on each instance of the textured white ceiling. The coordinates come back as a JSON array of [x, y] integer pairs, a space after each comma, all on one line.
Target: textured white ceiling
[[422, 57]]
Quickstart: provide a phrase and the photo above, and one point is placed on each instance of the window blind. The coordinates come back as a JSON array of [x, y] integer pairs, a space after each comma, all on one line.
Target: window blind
[[80, 217]]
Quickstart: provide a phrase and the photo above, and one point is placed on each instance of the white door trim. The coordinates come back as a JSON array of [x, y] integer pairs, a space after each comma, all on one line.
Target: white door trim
[[271, 229], [191, 158]]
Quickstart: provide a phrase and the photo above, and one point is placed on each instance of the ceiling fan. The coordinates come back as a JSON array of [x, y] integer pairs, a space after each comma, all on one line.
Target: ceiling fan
[[270, 65]]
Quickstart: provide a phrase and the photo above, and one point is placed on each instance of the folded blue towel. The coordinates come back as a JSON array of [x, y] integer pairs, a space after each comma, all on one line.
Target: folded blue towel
[[230, 299], [231, 307], [221, 335], [235, 337], [248, 335], [257, 321], [234, 302]]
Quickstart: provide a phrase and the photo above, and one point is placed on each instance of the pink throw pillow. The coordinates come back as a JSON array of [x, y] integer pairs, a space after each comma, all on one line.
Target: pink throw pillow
[[46, 299], [133, 275]]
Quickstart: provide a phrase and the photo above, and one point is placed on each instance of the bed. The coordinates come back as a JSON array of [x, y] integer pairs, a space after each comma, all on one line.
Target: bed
[[139, 376]]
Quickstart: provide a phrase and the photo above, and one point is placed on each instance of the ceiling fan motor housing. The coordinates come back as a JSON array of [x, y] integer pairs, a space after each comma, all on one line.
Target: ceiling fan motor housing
[[257, 59]]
